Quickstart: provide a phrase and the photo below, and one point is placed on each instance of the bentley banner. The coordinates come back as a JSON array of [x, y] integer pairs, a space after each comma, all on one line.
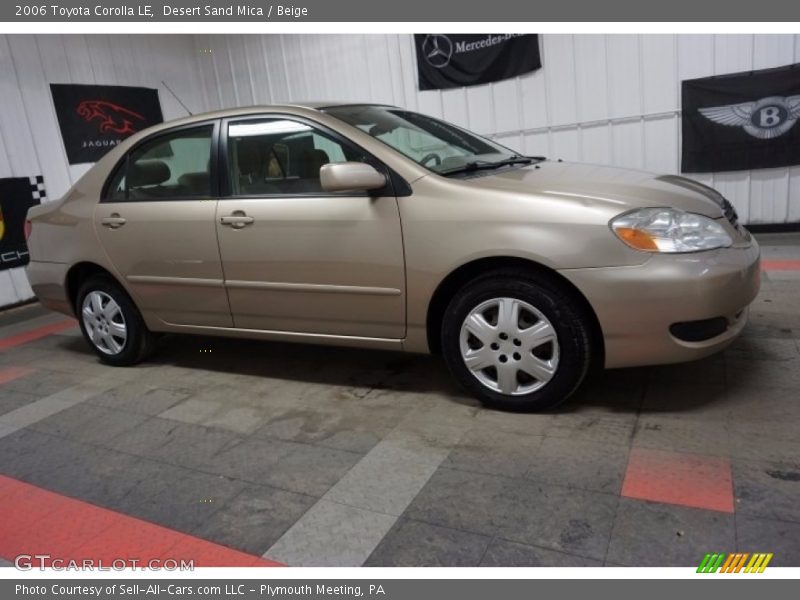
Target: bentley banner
[[741, 121], [95, 118], [455, 60], [17, 195]]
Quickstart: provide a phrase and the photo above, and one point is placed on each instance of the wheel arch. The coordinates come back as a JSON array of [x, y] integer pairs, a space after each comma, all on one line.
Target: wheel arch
[[467, 272], [79, 273]]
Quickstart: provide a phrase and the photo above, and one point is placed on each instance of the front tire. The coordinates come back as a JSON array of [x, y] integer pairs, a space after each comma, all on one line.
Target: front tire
[[111, 324], [517, 340]]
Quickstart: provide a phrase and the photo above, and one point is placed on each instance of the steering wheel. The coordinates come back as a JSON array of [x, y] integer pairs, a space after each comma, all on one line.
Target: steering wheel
[[432, 156]]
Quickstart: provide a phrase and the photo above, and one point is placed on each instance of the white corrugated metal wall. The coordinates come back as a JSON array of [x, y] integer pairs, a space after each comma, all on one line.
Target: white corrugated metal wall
[[609, 99]]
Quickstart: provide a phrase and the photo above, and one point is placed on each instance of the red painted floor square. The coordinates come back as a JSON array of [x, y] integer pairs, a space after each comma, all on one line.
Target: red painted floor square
[[35, 334], [677, 478], [37, 521], [11, 373], [780, 265]]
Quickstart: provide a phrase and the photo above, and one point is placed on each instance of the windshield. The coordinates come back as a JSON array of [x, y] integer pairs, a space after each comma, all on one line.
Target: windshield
[[432, 143]]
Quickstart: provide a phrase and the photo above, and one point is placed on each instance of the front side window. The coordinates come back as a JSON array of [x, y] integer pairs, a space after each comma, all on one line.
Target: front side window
[[172, 166], [281, 157], [434, 144]]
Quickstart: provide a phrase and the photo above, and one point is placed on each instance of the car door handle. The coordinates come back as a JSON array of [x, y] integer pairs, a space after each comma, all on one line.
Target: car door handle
[[237, 219], [113, 222]]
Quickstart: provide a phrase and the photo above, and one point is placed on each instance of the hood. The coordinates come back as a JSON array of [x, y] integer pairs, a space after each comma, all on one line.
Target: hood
[[617, 189]]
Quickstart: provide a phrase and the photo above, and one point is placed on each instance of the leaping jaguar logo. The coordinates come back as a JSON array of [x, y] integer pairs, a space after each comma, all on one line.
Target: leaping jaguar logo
[[765, 119], [112, 117]]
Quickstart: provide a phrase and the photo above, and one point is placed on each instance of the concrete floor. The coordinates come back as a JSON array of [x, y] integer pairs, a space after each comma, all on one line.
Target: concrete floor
[[325, 456]]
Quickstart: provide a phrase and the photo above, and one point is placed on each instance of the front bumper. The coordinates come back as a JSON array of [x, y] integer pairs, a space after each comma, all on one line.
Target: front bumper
[[637, 305]]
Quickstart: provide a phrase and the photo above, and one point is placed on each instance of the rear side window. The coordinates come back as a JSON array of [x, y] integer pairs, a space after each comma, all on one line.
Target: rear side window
[[173, 166], [280, 156]]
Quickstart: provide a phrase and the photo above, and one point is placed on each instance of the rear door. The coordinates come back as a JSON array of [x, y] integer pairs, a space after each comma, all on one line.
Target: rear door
[[157, 225], [297, 258]]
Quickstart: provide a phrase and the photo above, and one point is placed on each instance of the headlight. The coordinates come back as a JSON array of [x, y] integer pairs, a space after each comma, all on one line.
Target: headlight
[[669, 230]]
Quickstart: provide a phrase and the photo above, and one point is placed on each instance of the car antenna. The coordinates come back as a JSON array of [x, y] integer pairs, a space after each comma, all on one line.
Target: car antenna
[[169, 89]]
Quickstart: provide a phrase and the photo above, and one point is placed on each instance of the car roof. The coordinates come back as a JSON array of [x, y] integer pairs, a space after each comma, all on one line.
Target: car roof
[[289, 106]]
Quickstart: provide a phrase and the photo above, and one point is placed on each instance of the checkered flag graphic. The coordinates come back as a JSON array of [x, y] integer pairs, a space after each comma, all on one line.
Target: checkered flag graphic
[[37, 189]]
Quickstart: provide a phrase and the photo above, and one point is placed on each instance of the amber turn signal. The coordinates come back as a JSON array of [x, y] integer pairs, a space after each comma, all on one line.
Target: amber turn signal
[[636, 238]]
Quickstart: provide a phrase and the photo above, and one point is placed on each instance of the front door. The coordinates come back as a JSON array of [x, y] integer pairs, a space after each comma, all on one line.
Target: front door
[[296, 258], [157, 225]]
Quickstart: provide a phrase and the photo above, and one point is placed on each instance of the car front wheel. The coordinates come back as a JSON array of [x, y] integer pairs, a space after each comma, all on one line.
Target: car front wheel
[[517, 341], [111, 323]]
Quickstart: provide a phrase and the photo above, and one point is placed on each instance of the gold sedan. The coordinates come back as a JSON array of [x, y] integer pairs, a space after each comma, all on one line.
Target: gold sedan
[[373, 226]]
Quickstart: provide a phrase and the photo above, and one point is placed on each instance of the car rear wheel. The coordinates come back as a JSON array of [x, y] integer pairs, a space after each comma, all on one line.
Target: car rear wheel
[[517, 341], [111, 323]]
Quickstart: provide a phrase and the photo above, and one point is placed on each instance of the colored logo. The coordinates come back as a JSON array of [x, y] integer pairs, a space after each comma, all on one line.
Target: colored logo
[[2, 224], [764, 119], [112, 117], [734, 563]]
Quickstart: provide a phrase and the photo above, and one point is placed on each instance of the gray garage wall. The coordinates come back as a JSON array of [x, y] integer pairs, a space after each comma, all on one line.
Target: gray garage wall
[[610, 99]]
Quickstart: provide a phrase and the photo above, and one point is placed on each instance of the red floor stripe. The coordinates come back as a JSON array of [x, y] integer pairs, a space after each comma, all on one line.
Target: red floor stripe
[[35, 334], [11, 373], [780, 265], [676, 478], [36, 521]]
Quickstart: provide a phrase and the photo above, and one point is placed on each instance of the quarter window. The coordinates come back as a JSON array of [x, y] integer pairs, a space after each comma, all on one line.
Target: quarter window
[[281, 157], [171, 167]]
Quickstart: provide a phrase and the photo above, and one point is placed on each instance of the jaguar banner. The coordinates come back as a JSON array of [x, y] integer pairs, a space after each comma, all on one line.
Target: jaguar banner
[[17, 195], [741, 121], [455, 60], [95, 118]]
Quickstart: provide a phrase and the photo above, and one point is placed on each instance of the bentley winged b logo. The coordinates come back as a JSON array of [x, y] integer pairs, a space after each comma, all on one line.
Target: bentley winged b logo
[[764, 119], [112, 117], [438, 50]]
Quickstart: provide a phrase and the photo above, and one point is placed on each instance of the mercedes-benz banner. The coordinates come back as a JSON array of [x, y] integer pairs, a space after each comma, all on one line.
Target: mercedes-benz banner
[[455, 60]]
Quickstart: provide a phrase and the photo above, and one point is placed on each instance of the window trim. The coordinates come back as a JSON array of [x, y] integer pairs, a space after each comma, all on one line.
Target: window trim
[[124, 163], [395, 185]]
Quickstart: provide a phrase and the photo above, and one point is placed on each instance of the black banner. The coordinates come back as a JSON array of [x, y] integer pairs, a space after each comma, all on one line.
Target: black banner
[[17, 195], [454, 60], [741, 121], [95, 118]]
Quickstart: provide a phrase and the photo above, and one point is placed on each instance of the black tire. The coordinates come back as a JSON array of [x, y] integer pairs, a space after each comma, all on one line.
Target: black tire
[[558, 304], [140, 341]]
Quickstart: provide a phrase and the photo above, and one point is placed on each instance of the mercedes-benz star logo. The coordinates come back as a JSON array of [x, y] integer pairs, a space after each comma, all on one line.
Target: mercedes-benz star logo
[[438, 50], [765, 119]]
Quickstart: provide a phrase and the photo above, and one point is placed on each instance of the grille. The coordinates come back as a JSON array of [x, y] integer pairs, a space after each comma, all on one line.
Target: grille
[[730, 212]]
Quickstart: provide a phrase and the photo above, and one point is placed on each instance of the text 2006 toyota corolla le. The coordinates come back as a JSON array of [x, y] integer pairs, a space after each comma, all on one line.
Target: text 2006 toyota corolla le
[[377, 227]]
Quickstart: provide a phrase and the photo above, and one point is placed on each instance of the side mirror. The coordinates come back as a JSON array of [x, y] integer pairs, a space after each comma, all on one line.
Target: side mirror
[[350, 177]]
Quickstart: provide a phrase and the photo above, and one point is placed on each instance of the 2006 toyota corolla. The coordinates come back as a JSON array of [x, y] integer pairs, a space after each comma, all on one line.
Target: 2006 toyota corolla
[[377, 227]]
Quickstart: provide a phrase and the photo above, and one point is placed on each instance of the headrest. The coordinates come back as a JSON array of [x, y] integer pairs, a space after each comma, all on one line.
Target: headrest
[[312, 162], [147, 172], [249, 152], [197, 183]]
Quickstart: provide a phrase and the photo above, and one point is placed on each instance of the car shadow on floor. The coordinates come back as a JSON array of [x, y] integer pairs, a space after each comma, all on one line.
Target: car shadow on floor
[[305, 363], [680, 388]]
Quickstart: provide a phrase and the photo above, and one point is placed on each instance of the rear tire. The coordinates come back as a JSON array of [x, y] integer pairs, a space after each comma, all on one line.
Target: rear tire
[[526, 338], [111, 323]]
